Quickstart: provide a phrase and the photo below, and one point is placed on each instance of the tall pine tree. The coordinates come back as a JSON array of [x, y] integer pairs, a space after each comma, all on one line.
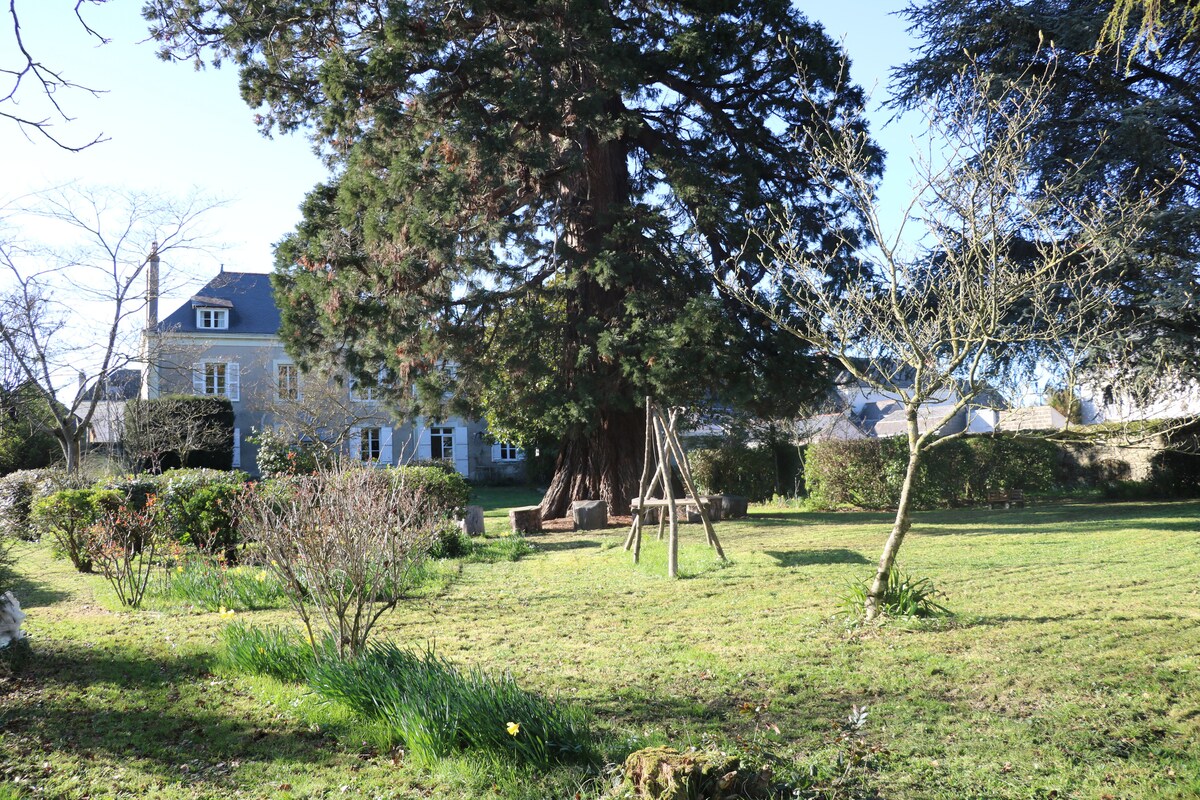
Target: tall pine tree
[[1127, 108], [533, 198]]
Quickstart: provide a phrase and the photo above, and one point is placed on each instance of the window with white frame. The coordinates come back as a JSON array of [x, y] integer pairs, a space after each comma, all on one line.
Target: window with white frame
[[370, 443], [287, 381], [503, 451], [441, 444], [212, 318], [217, 378]]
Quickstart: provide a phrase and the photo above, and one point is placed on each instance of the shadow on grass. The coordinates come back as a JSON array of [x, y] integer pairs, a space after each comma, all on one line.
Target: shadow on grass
[[83, 666], [168, 739], [95, 706], [32, 593], [809, 558], [776, 519], [577, 544], [1070, 519]]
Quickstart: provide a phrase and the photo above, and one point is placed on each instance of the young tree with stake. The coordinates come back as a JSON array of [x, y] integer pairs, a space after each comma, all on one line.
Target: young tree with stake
[[1005, 273]]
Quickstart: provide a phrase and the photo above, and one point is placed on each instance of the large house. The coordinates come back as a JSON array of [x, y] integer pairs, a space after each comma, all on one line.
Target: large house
[[225, 341]]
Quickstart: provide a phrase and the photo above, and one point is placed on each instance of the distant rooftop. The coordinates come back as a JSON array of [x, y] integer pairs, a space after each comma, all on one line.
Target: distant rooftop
[[247, 296]]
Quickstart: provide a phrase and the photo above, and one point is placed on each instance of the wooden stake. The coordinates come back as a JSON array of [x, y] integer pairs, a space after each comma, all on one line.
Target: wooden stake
[[685, 472], [672, 511]]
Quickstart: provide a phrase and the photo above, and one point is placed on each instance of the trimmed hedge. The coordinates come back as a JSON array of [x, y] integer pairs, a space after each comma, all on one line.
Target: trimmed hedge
[[196, 507], [868, 473], [735, 469]]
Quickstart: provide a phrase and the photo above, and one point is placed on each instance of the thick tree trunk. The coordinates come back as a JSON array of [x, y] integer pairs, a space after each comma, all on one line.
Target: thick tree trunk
[[603, 465], [899, 528]]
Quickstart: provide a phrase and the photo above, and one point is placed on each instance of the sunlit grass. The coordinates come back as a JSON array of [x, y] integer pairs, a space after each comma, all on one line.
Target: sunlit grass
[[1069, 668]]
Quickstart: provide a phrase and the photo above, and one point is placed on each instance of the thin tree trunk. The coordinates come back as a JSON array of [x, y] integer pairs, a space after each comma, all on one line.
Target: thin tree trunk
[[899, 528]]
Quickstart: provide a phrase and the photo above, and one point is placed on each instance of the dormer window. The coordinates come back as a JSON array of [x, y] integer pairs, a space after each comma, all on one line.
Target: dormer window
[[212, 318]]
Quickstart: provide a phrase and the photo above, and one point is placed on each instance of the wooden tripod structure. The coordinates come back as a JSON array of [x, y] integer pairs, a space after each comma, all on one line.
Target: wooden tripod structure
[[664, 450]]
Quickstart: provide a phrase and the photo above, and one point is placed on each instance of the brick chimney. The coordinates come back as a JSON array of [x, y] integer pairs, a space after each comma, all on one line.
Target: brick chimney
[[152, 288]]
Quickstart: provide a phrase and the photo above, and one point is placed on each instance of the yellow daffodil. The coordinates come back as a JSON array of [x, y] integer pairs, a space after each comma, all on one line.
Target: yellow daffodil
[[262, 576], [514, 728], [226, 612], [179, 568]]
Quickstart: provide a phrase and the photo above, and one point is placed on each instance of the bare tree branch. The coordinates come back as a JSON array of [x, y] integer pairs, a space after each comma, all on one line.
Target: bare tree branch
[[70, 302], [46, 81]]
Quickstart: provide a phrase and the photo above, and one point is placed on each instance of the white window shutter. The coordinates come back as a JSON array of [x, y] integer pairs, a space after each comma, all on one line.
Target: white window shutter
[[237, 447], [424, 447], [385, 446], [496, 452], [462, 461], [198, 378], [356, 443], [233, 380]]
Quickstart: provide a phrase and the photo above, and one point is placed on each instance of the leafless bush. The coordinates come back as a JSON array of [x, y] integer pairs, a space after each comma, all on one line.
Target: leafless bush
[[123, 544], [344, 544]]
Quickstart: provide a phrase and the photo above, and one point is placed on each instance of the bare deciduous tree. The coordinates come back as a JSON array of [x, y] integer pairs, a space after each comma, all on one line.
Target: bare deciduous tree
[[1006, 276], [318, 410], [171, 426], [26, 78], [343, 543], [71, 300]]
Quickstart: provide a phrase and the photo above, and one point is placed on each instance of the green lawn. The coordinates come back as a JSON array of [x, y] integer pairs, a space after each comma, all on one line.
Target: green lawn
[[1071, 668]]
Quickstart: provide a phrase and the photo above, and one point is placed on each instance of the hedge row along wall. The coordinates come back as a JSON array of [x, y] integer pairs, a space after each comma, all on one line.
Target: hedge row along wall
[[867, 473]]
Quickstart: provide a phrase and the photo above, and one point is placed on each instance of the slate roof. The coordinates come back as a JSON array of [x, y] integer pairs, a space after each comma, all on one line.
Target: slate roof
[[248, 297], [121, 385]]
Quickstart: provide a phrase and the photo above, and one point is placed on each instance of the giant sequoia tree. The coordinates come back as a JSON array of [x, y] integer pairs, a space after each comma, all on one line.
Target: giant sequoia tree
[[1130, 112], [531, 191]]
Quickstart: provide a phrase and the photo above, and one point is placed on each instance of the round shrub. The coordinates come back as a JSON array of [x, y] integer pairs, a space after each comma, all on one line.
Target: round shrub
[[197, 505], [280, 455], [446, 490], [66, 517]]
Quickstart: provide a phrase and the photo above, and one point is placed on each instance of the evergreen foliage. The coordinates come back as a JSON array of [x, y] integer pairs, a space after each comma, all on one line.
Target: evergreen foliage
[[540, 194], [735, 469], [25, 424], [1130, 114]]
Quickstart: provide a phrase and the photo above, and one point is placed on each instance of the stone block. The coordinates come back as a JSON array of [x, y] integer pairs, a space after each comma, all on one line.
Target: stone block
[[527, 519], [734, 506], [692, 513], [472, 521], [589, 515]]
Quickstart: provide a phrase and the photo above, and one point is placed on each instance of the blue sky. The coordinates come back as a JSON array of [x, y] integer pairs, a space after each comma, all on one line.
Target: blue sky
[[176, 130]]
